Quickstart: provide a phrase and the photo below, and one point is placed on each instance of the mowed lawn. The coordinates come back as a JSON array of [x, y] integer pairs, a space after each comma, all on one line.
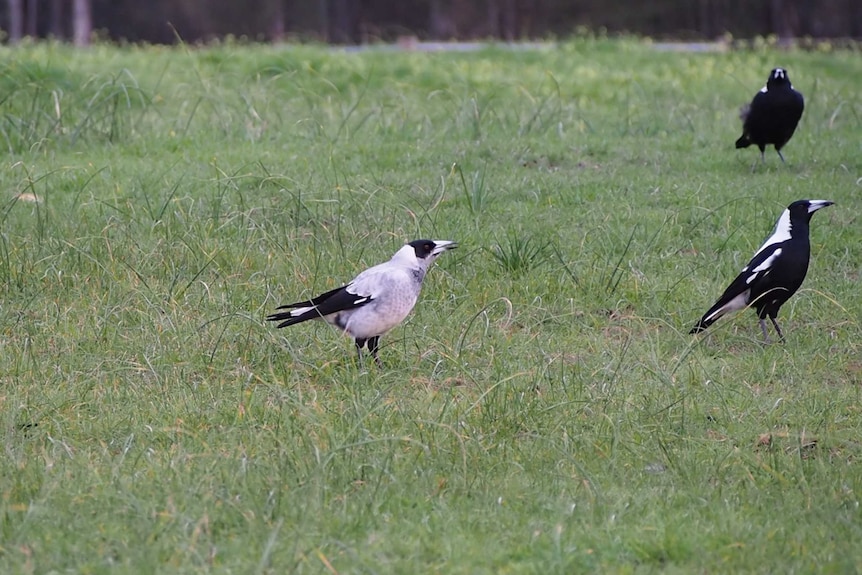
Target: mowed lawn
[[543, 410]]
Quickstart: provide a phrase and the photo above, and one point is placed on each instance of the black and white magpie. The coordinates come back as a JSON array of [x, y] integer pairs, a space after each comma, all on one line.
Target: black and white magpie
[[375, 301], [773, 114], [774, 273]]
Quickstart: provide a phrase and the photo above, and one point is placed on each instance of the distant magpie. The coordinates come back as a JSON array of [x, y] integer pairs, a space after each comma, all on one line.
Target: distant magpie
[[773, 114], [774, 273], [375, 301]]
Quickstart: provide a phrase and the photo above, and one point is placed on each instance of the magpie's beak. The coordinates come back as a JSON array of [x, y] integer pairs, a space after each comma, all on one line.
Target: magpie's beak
[[814, 205], [441, 246]]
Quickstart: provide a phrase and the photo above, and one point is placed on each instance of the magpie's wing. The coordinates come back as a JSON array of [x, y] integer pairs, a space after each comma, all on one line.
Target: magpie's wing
[[800, 100], [762, 99], [796, 105], [758, 108], [756, 271], [313, 301], [736, 296], [752, 115], [337, 300]]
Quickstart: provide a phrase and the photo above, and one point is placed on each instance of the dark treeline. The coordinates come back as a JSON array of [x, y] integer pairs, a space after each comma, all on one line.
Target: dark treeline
[[359, 21]]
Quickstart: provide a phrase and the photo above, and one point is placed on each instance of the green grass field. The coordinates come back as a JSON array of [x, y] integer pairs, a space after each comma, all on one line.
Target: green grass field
[[543, 410]]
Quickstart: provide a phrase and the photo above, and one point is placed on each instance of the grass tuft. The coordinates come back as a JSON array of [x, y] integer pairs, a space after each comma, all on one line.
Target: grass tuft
[[520, 254], [476, 192]]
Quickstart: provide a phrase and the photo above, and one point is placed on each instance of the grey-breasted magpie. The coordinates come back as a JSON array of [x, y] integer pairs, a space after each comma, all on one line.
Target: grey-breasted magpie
[[774, 273], [375, 301], [773, 114]]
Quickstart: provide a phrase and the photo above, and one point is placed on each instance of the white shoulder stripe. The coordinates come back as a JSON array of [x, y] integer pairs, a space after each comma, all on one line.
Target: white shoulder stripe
[[780, 234]]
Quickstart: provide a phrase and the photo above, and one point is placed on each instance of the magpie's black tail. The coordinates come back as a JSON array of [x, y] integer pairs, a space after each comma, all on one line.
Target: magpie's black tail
[[698, 328], [287, 318], [702, 324]]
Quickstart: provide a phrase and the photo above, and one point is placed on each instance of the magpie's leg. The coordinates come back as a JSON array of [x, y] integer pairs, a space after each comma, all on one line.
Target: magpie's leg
[[373, 346], [359, 344], [762, 161], [783, 162], [778, 329], [762, 155], [763, 328]]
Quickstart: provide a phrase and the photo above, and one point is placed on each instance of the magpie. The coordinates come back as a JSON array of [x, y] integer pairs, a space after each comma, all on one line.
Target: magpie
[[774, 273], [773, 114], [375, 301]]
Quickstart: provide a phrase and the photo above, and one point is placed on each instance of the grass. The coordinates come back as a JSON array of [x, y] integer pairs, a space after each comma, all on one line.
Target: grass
[[543, 410]]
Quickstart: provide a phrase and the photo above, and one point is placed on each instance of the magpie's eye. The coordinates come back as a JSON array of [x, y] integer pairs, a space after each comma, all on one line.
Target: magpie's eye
[[429, 247]]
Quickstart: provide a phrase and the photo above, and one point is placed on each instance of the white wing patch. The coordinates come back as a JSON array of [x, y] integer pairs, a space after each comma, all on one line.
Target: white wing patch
[[364, 292], [763, 267], [767, 263], [353, 289], [764, 90]]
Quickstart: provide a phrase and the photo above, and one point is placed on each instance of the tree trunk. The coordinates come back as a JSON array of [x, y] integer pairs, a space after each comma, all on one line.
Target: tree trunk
[[343, 21], [493, 19], [82, 22], [276, 28], [509, 21], [778, 19], [323, 15], [16, 20], [439, 21], [56, 19], [32, 14], [704, 19]]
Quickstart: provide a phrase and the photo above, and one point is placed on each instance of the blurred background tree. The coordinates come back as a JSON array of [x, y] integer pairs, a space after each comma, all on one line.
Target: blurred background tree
[[359, 21]]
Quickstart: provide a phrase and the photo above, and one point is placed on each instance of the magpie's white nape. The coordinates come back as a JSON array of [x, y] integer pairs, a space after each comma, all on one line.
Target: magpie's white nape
[[375, 301], [773, 114], [775, 272]]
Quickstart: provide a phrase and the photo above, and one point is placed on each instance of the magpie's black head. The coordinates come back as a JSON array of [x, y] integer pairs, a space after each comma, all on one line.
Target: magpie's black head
[[778, 77], [804, 209], [431, 248]]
